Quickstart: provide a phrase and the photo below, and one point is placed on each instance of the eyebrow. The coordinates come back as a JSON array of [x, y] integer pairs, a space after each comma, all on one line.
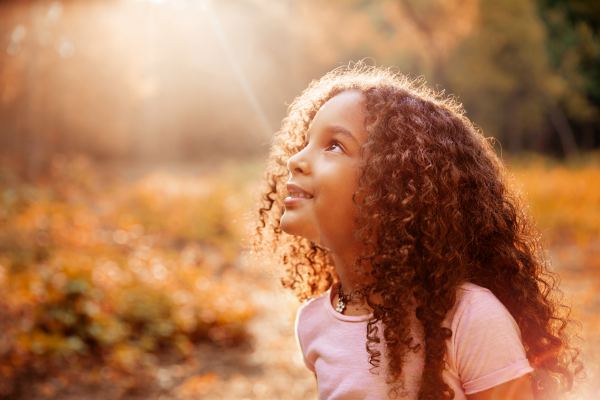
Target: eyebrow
[[337, 129], [343, 131]]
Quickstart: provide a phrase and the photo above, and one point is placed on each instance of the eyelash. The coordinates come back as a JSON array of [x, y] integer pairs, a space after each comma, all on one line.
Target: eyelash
[[335, 143]]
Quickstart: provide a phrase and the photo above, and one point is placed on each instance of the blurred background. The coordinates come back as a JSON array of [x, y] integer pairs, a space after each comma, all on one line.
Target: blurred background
[[133, 137]]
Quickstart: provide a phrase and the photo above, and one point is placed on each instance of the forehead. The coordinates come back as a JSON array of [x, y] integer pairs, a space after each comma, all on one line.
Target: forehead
[[346, 109]]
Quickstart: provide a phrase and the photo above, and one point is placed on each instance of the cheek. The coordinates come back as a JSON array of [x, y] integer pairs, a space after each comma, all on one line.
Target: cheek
[[337, 210], [335, 222], [334, 206]]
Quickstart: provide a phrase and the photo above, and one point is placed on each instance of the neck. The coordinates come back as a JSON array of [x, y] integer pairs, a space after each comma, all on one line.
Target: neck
[[350, 279]]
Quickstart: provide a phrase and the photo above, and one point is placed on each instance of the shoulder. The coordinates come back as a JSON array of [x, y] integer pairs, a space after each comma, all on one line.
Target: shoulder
[[309, 317], [478, 305], [479, 315], [486, 342], [311, 304], [311, 308], [307, 321], [470, 294]]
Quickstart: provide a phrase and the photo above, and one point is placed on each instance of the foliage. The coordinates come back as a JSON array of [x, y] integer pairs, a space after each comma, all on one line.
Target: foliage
[[574, 51], [114, 271], [88, 276], [527, 70], [562, 197], [502, 74]]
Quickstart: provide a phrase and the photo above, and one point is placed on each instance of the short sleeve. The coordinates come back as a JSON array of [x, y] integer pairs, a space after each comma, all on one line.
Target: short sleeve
[[297, 335], [488, 347]]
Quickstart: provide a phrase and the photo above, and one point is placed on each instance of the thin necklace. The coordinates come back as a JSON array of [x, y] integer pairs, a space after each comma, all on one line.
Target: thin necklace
[[345, 299]]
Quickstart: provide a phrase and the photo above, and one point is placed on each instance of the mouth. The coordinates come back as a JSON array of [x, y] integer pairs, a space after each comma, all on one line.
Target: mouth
[[296, 195]]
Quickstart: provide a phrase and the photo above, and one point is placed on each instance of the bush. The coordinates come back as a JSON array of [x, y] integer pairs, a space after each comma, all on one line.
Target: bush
[[115, 274]]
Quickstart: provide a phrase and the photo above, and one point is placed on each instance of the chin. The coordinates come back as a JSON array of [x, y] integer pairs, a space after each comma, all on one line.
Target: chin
[[291, 228], [287, 226]]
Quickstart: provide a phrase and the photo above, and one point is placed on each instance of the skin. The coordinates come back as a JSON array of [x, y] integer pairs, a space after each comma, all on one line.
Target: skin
[[517, 389], [328, 168]]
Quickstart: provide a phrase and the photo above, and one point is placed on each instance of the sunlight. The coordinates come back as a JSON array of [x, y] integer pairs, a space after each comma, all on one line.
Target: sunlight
[[217, 28], [134, 137], [150, 66], [206, 7]]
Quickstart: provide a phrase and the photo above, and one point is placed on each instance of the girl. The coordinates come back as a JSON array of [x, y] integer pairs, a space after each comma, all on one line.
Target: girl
[[392, 214]]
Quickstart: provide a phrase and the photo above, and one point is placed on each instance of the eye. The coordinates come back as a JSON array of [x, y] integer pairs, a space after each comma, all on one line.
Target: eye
[[335, 144]]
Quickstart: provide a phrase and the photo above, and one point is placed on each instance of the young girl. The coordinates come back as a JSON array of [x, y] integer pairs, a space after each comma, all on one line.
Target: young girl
[[392, 214]]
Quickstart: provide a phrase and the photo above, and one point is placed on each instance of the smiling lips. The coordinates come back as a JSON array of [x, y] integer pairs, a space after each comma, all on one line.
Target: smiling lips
[[296, 193]]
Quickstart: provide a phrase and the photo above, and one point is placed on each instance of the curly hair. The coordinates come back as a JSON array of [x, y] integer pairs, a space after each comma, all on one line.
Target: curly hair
[[435, 209]]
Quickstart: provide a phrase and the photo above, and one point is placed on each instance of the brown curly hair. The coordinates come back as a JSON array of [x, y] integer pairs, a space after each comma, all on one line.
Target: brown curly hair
[[434, 210]]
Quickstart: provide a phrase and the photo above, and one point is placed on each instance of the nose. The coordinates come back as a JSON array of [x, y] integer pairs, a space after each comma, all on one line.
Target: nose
[[298, 163]]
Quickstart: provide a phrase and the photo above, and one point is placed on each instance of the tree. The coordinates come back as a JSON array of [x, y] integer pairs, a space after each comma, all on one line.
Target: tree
[[573, 48]]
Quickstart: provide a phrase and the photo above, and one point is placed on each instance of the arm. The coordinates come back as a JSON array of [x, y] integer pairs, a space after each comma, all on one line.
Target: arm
[[517, 389]]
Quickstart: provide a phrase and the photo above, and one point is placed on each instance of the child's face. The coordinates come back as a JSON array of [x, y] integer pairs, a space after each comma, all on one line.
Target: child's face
[[328, 169]]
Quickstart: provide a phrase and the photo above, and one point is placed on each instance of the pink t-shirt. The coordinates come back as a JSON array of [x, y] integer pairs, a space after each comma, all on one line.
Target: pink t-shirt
[[485, 349]]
